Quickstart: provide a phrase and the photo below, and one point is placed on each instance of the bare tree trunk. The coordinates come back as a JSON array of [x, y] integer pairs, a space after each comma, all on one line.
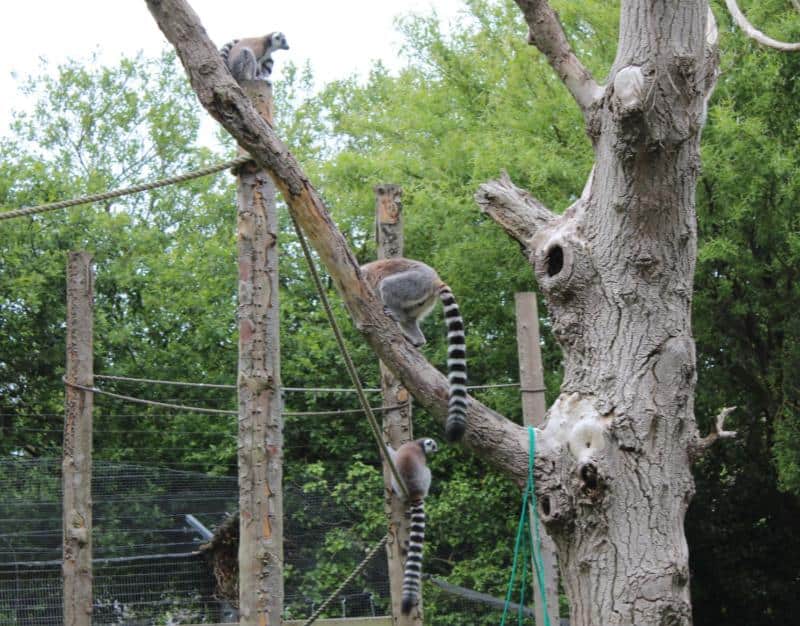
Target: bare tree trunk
[[397, 425], [613, 459], [260, 421], [77, 454], [616, 269]]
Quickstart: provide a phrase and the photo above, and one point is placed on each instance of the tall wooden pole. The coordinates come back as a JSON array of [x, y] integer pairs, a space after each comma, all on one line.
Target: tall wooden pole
[[76, 470], [531, 378], [259, 382], [397, 428]]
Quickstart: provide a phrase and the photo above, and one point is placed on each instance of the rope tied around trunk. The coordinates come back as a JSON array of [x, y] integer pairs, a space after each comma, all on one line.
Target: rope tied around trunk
[[533, 546]]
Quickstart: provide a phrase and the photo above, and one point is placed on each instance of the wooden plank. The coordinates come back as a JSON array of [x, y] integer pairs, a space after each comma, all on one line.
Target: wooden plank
[[531, 375], [531, 378], [397, 423], [260, 422], [77, 450]]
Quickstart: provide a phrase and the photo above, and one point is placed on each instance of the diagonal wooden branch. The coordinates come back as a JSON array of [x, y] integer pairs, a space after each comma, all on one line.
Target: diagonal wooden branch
[[547, 34], [514, 209], [489, 434], [752, 32]]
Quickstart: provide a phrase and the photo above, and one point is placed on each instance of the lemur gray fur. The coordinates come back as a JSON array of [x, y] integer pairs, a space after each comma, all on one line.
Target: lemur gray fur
[[251, 58], [411, 462], [409, 290]]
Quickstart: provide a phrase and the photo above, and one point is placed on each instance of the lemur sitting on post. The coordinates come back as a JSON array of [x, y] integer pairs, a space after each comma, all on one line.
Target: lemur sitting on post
[[409, 290], [411, 462], [251, 58]]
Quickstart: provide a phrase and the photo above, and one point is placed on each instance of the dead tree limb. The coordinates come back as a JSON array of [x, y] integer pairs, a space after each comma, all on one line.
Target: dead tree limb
[[547, 34], [755, 34]]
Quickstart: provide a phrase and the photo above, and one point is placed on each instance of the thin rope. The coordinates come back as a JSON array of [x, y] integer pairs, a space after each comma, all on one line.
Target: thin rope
[[375, 409], [495, 386], [347, 581], [126, 191], [180, 383], [327, 389], [193, 409], [196, 409], [528, 502], [153, 381], [351, 368]]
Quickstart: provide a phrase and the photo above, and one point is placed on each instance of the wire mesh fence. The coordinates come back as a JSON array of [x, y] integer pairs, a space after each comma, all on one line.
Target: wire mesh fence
[[148, 568]]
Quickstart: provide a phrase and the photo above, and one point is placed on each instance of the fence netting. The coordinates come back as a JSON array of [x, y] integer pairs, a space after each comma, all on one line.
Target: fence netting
[[148, 567]]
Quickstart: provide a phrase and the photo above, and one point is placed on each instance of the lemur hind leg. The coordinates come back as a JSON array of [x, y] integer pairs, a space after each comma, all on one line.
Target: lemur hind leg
[[409, 296]]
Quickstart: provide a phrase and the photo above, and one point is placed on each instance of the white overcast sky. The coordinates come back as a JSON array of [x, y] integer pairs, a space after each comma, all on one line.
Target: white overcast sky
[[339, 37]]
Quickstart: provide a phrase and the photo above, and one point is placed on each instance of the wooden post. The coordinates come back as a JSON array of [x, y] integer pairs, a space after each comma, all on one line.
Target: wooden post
[[531, 380], [260, 422], [397, 428], [76, 469]]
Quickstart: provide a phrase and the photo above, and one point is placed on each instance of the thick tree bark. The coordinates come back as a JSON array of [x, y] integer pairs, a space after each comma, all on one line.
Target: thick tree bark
[[616, 269], [613, 465]]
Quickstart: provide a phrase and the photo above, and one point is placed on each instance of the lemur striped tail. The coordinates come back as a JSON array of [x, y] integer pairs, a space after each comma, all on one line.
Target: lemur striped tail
[[413, 571], [225, 50], [456, 367]]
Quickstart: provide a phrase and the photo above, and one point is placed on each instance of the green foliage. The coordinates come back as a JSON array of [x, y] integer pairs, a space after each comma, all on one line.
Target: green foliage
[[740, 527], [471, 102]]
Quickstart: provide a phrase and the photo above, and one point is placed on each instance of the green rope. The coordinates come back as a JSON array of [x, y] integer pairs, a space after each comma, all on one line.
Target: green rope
[[532, 544]]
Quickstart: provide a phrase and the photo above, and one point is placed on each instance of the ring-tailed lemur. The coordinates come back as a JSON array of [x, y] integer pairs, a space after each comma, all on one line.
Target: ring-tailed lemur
[[411, 462], [409, 290], [251, 58]]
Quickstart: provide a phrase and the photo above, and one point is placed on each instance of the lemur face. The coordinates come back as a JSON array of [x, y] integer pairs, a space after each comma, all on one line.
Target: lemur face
[[278, 42], [429, 446]]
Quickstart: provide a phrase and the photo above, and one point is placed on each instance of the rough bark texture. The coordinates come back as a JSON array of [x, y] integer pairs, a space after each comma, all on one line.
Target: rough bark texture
[[613, 470], [260, 422], [616, 269], [397, 425], [77, 453]]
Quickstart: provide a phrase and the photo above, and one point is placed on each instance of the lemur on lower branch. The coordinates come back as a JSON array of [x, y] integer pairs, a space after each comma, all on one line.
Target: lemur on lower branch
[[411, 462], [409, 290]]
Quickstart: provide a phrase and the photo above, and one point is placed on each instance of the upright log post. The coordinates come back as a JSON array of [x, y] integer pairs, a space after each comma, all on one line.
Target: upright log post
[[397, 428], [260, 421], [531, 378], [76, 469]]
